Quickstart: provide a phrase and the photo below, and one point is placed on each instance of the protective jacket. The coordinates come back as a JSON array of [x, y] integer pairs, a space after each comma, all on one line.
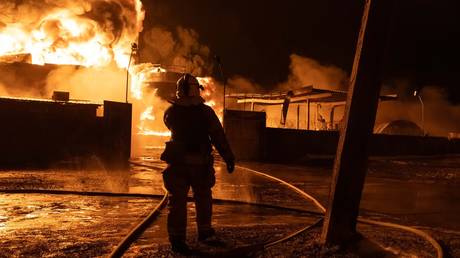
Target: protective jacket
[[194, 128]]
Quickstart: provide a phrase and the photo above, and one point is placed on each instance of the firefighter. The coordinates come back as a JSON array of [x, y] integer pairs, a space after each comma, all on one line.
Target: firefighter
[[195, 128]]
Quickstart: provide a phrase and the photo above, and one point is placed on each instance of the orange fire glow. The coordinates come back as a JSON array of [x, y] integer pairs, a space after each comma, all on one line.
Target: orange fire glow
[[210, 94], [71, 33], [91, 33], [141, 74]]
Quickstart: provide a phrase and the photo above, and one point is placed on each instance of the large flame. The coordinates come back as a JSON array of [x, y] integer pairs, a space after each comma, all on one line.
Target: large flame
[[140, 75], [80, 32], [211, 95], [91, 33]]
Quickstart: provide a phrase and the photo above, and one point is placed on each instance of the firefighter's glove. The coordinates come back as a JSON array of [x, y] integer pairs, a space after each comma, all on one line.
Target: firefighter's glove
[[230, 166]]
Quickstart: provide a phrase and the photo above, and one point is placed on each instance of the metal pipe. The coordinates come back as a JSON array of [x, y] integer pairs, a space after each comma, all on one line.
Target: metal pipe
[[133, 50], [417, 94], [221, 69], [423, 112]]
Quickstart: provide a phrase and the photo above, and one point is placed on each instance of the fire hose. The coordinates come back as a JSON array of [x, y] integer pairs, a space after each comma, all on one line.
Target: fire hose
[[427, 237], [258, 247], [142, 226], [147, 221], [139, 229], [424, 235]]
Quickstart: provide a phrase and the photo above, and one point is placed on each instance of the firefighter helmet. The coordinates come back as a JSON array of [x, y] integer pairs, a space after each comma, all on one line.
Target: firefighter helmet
[[188, 86]]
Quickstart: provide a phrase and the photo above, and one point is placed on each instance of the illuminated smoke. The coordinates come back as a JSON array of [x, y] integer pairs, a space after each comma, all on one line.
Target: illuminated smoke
[[305, 71], [441, 117], [94, 84], [244, 85], [180, 48]]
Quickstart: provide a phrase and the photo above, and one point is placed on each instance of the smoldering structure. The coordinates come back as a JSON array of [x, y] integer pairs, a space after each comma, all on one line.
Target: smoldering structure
[[303, 124]]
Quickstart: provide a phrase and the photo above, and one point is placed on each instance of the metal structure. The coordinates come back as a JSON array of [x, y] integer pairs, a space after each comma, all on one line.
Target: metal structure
[[307, 95], [133, 52], [422, 111]]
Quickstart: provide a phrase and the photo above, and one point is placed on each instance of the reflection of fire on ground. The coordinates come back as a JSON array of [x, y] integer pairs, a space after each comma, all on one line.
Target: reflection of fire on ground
[[88, 44]]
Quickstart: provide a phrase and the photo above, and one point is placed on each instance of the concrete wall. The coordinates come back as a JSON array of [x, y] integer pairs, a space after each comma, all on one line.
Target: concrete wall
[[245, 132], [251, 140], [40, 133], [116, 133], [287, 145]]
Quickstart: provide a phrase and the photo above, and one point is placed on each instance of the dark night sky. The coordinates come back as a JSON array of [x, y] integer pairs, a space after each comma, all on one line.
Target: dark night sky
[[255, 38]]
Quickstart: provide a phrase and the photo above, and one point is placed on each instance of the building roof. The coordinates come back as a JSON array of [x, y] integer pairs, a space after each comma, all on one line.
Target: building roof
[[37, 100], [301, 95]]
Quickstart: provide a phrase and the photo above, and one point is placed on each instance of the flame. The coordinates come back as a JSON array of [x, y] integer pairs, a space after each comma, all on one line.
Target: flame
[[210, 103], [146, 119], [154, 133], [90, 33], [86, 32], [143, 73], [140, 75], [147, 114], [211, 95]]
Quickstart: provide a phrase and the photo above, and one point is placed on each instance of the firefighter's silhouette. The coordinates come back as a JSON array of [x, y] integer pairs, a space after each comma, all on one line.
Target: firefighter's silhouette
[[195, 128]]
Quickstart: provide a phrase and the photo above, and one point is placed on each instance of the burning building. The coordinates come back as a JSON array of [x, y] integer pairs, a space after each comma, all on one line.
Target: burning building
[[84, 47], [65, 45]]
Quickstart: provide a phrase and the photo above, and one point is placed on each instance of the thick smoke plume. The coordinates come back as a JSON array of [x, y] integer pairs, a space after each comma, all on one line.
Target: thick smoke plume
[[305, 71], [440, 116], [94, 84], [180, 48]]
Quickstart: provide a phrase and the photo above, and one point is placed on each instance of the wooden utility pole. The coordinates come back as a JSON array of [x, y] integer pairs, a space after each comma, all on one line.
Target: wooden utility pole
[[352, 152]]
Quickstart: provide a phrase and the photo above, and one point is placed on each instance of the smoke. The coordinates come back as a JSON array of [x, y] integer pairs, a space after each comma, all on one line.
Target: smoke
[[115, 17], [180, 48], [241, 84], [305, 71], [94, 84], [3, 91], [23, 80], [440, 116]]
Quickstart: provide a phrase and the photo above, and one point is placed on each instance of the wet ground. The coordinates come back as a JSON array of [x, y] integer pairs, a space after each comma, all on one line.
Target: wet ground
[[423, 193]]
